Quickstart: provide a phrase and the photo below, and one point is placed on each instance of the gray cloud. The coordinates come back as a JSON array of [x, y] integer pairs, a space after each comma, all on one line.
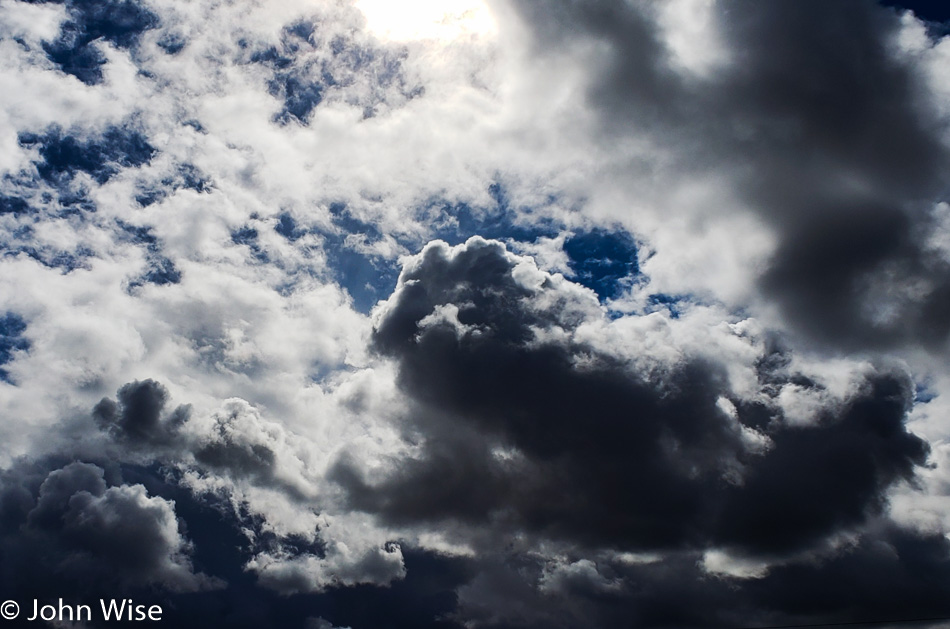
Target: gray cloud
[[887, 577], [823, 128], [137, 415], [72, 529], [555, 437]]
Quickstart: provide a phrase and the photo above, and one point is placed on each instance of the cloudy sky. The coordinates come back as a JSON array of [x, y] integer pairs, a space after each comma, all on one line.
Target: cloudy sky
[[452, 314]]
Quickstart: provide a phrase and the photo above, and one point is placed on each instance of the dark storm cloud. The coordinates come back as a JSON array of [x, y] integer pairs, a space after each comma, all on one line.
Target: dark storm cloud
[[72, 528], [888, 576], [599, 454], [83, 526], [824, 129], [828, 478], [595, 455], [141, 423], [105, 520], [228, 453], [138, 417]]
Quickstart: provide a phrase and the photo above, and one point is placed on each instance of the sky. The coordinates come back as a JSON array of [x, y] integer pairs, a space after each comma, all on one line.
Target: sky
[[477, 314]]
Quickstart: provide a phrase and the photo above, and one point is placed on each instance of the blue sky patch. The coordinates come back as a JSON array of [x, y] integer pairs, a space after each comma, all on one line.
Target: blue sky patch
[[305, 68], [119, 22], [12, 327], [172, 43], [300, 96], [605, 261], [674, 304], [366, 278], [935, 13], [287, 227], [160, 270], [457, 222], [924, 392], [294, 85], [63, 155], [187, 176], [13, 205], [66, 261], [247, 236], [75, 203]]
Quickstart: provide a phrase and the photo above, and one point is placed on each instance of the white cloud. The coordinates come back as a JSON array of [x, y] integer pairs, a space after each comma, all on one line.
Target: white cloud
[[722, 563]]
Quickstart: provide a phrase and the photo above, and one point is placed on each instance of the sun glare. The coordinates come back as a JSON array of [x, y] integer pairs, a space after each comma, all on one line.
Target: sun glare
[[443, 20]]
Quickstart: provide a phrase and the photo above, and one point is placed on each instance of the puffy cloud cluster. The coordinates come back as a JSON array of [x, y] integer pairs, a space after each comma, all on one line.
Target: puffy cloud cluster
[[67, 530], [520, 421], [253, 466], [600, 464]]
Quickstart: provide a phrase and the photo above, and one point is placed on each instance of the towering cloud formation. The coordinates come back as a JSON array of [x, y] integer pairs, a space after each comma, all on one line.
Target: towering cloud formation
[[522, 422]]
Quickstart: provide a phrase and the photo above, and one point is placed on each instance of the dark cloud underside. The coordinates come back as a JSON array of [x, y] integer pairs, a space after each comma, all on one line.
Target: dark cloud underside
[[606, 456]]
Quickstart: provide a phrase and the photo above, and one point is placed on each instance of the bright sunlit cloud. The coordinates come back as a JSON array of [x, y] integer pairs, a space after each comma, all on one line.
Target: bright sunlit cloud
[[443, 20]]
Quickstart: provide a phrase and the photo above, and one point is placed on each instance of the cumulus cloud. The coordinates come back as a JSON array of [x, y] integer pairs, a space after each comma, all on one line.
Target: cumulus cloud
[[341, 567], [526, 428], [68, 529], [520, 423], [137, 415]]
